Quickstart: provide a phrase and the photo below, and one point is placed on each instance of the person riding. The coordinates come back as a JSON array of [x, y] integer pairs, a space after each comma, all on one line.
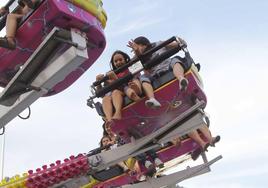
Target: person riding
[[142, 44], [114, 99], [25, 6]]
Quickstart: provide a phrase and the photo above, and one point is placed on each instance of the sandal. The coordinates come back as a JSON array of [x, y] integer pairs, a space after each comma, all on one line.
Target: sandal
[[6, 44]]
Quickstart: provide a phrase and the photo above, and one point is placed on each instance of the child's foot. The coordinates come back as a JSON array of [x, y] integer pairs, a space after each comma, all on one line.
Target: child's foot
[[135, 87], [183, 84], [150, 168], [152, 103], [133, 95], [117, 116], [176, 141], [8, 43], [158, 163]]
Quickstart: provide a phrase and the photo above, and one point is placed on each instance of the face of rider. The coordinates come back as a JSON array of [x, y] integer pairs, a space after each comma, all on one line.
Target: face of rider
[[105, 141], [118, 60], [141, 47]]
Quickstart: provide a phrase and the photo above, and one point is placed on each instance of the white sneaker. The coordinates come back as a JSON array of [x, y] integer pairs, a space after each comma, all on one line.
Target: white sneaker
[[148, 164], [159, 163], [152, 103], [150, 168], [141, 177]]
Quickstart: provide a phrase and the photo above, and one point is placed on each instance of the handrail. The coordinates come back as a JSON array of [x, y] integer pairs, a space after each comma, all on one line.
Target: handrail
[[135, 59], [155, 61]]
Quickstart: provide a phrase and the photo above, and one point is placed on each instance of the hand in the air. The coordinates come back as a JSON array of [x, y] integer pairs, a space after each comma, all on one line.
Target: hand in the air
[[131, 44]]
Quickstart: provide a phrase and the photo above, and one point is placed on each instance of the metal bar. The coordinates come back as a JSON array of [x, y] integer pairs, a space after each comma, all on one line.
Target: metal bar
[[155, 61], [56, 71], [46, 80], [2, 157], [33, 66], [135, 148], [165, 181], [72, 183], [9, 3], [176, 177], [135, 59], [204, 157], [157, 134]]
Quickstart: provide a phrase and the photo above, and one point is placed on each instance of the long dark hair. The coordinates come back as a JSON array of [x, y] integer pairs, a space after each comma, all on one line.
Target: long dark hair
[[125, 56], [104, 136], [144, 41]]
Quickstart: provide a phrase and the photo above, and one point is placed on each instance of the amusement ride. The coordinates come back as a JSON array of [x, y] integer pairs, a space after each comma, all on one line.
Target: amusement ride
[[56, 42]]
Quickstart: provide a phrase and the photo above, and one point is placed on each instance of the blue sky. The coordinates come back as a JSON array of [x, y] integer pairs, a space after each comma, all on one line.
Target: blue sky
[[228, 38]]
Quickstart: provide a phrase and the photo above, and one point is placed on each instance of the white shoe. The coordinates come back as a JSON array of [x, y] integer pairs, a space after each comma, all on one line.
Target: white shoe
[[141, 178], [150, 169], [152, 103], [148, 164], [159, 163]]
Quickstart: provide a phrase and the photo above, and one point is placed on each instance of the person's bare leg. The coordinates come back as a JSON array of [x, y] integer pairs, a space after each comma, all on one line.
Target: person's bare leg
[[135, 84], [132, 94], [107, 107], [178, 72], [148, 89], [195, 136], [206, 132], [117, 99], [11, 26], [149, 92]]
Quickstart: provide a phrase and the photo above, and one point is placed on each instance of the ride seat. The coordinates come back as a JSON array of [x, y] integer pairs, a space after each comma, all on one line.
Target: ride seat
[[159, 80]]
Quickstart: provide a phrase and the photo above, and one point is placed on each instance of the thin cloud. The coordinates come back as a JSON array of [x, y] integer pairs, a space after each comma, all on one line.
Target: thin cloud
[[139, 24], [134, 25]]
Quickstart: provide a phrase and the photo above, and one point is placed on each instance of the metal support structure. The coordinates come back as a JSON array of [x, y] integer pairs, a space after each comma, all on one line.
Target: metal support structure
[[163, 135], [167, 181], [184, 123], [2, 159], [73, 183], [55, 71], [175, 178], [166, 132]]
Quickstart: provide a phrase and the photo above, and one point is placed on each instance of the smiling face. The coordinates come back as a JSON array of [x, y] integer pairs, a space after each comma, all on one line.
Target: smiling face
[[118, 60], [105, 141]]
